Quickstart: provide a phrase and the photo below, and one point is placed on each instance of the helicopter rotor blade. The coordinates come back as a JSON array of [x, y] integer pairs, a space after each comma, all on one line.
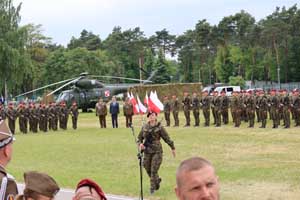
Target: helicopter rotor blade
[[61, 87], [118, 77], [46, 86]]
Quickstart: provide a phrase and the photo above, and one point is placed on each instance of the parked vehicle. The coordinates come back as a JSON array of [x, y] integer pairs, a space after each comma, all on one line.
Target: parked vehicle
[[227, 89]]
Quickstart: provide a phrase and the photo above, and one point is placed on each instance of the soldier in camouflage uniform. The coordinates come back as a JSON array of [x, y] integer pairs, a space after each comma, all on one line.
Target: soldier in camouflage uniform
[[74, 113], [213, 110], [196, 108], [128, 112], [43, 114], [167, 110], [285, 104], [11, 114], [274, 108], [149, 143], [51, 116], [296, 106], [175, 109], [101, 112], [263, 108], [205, 105], [224, 107], [250, 108], [23, 114], [217, 105], [33, 118], [236, 109], [257, 102], [64, 116], [56, 118], [244, 116], [186, 108], [280, 113]]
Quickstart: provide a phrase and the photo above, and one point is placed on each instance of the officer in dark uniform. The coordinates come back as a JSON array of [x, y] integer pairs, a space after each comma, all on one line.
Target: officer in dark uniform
[[149, 143], [175, 109], [12, 115], [236, 109], [196, 108], [114, 111], [274, 108], [205, 105], [186, 108], [128, 112], [74, 113], [167, 110], [38, 186], [250, 108], [7, 182], [263, 108], [101, 112]]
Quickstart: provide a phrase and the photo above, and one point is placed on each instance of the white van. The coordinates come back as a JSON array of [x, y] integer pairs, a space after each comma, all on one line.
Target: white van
[[227, 89]]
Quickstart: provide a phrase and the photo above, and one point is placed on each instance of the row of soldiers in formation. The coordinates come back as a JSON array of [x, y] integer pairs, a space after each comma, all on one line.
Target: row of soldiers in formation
[[40, 117], [244, 106]]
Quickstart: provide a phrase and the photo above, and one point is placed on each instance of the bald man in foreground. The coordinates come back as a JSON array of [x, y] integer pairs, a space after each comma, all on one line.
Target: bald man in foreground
[[196, 180]]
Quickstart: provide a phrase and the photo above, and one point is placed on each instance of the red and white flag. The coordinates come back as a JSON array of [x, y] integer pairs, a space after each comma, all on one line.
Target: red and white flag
[[136, 109], [142, 108], [155, 104], [146, 99]]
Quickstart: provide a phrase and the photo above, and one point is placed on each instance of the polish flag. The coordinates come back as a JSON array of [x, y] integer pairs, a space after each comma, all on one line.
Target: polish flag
[[142, 108], [155, 104], [146, 100], [136, 109]]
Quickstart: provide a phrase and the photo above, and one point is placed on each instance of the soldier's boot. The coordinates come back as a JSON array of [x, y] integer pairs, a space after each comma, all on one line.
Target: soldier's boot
[[158, 184], [152, 191]]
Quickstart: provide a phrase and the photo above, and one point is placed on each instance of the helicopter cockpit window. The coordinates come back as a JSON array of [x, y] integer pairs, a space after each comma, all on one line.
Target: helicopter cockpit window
[[63, 97]]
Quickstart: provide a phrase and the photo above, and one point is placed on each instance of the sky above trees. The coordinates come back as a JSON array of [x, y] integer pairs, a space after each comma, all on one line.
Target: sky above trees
[[62, 19]]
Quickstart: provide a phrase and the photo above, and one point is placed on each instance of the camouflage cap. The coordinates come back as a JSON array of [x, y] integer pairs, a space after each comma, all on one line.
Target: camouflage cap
[[6, 136], [40, 183]]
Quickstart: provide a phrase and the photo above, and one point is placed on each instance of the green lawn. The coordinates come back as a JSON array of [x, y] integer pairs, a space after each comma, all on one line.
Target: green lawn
[[251, 163]]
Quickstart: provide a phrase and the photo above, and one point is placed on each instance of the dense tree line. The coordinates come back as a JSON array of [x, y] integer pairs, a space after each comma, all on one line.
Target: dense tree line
[[238, 48]]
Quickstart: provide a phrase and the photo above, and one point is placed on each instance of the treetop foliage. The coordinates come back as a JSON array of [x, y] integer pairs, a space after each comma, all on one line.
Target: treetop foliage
[[236, 49]]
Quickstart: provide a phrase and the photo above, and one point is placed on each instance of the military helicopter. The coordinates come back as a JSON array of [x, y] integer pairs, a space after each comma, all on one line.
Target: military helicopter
[[86, 89]]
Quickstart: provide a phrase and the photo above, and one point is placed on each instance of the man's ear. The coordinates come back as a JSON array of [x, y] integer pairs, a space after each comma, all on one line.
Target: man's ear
[[6, 151], [177, 192]]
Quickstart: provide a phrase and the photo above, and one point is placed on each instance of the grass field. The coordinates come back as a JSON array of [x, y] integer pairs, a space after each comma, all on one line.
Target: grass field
[[260, 164]]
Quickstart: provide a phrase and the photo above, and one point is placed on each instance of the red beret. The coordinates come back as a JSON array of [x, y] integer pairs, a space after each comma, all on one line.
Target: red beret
[[91, 183]]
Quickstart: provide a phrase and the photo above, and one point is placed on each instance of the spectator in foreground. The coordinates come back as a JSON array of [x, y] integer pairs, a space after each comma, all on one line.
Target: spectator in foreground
[[38, 186], [196, 179], [7, 182], [87, 189]]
